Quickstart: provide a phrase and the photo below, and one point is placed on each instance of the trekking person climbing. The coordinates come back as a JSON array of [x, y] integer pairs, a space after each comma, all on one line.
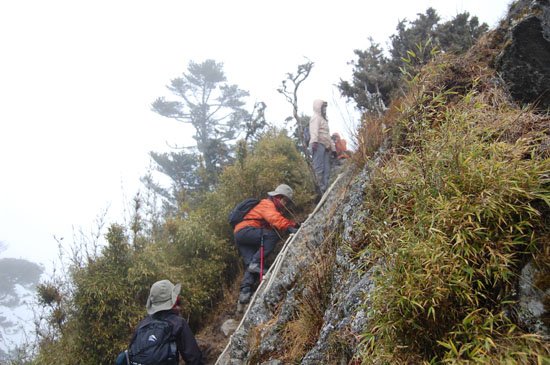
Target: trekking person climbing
[[258, 231], [163, 336], [320, 143], [341, 147]]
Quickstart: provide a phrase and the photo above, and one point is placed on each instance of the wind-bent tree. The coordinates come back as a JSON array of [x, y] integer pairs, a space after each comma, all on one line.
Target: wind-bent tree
[[216, 111], [256, 122], [376, 77], [289, 89]]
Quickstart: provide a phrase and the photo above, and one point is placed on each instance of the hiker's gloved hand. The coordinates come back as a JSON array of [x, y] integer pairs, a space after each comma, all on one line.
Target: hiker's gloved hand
[[314, 146], [292, 230]]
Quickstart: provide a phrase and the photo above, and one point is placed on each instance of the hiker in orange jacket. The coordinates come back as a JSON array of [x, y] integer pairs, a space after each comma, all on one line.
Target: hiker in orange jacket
[[259, 225], [341, 147]]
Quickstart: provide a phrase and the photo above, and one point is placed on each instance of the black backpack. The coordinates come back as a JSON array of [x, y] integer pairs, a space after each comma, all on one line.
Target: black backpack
[[307, 136], [237, 214], [153, 344]]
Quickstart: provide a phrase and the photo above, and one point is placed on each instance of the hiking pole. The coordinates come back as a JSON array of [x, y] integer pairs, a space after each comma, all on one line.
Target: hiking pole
[[262, 258]]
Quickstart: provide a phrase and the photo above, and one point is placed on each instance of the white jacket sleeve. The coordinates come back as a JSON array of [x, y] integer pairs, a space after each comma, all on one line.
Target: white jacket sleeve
[[313, 130]]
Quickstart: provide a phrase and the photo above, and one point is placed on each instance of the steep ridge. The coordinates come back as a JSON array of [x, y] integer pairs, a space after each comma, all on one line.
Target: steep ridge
[[315, 301], [276, 295]]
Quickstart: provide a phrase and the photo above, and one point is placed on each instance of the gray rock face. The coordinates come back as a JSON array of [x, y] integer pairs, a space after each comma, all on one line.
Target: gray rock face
[[229, 326], [344, 315], [530, 308], [524, 63], [275, 300]]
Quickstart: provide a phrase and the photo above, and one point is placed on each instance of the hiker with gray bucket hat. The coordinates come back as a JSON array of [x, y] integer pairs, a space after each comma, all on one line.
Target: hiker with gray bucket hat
[[256, 234], [163, 336]]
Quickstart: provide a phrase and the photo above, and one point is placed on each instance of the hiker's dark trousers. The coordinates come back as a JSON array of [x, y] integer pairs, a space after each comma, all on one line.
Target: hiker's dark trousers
[[248, 242], [321, 165]]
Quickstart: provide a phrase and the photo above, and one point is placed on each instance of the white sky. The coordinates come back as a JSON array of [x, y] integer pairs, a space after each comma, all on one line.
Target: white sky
[[77, 79]]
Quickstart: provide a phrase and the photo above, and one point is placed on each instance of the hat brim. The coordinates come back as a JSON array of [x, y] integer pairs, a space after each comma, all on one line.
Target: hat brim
[[274, 193], [157, 307]]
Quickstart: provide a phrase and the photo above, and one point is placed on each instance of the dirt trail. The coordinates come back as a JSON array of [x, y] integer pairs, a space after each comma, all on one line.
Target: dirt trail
[[211, 339]]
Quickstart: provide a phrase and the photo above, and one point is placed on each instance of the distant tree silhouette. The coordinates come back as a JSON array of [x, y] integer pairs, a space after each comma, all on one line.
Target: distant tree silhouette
[[216, 110], [289, 89], [17, 271]]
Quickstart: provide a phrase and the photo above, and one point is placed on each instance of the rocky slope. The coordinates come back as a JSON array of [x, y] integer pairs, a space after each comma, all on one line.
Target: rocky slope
[[318, 270]]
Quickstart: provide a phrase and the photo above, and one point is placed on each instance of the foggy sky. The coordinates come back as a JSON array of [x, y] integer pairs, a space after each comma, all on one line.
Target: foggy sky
[[78, 78]]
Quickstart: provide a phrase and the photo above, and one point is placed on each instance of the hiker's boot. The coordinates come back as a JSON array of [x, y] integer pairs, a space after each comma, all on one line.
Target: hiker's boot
[[254, 268], [244, 297]]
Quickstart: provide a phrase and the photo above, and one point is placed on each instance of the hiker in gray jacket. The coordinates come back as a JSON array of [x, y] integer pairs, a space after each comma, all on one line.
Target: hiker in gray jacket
[[320, 143]]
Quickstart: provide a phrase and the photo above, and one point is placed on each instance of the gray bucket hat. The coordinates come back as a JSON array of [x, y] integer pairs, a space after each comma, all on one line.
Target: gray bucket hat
[[163, 296], [282, 189]]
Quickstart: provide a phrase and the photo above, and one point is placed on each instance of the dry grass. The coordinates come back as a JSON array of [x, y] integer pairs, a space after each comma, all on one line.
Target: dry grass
[[369, 138], [301, 333], [255, 336]]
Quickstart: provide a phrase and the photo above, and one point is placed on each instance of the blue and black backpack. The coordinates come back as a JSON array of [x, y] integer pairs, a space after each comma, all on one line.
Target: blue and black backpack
[[238, 213], [153, 344]]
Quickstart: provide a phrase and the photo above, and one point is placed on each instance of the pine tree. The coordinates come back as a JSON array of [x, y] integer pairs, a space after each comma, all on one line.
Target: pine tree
[[376, 77], [216, 111]]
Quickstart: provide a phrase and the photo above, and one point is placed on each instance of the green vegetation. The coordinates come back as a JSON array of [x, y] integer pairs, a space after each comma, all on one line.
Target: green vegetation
[[455, 210], [459, 202], [92, 314], [377, 79]]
